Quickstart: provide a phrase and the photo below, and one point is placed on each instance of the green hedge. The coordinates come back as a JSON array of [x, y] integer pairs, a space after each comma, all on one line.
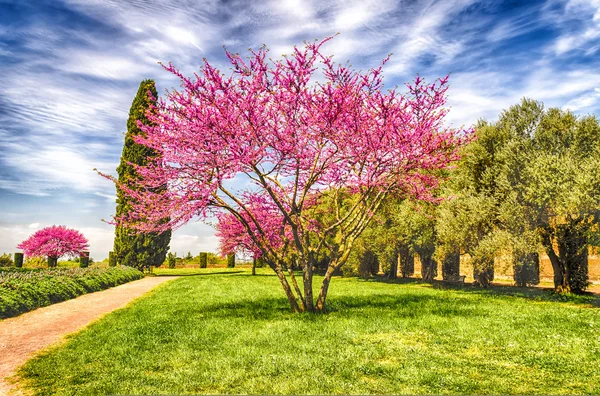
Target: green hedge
[[25, 289]]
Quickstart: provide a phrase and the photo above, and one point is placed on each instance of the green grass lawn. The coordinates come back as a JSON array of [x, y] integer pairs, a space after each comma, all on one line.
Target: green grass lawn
[[224, 331]]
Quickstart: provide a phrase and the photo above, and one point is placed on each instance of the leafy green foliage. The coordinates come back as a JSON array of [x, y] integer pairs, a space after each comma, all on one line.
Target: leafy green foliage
[[398, 231], [529, 178], [551, 178], [19, 260], [137, 249], [84, 260], [112, 259], [6, 260], [172, 259], [203, 259], [36, 262], [378, 338], [24, 289]]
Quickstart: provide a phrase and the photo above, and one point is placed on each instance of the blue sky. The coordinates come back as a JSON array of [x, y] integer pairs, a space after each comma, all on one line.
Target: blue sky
[[70, 68]]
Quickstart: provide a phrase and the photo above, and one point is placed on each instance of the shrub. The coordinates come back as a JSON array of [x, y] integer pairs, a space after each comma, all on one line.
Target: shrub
[[112, 259], [84, 260], [5, 260], [526, 269], [18, 260], [36, 262], [172, 259], [24, 289], [203, 259]]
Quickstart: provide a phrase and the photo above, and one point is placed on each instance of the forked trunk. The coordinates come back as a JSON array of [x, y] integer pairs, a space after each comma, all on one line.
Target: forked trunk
[[324, 289], [288, 291], [570, 265], [572, 247], [560, 278]]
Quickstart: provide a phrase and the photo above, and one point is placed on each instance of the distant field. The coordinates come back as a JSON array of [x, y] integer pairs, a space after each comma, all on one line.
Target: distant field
[[225, 331]]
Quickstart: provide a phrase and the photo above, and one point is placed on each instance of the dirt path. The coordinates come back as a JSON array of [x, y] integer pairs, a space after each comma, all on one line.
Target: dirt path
[[25, 335]]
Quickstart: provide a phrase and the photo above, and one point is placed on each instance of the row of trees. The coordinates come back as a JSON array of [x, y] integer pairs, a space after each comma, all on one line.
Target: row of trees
[[529, 182], [296, 167]]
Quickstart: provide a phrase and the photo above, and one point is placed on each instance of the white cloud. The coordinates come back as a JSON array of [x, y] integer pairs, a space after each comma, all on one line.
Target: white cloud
[[202, 239], [581, 22], [109, 197], [584, 101], [483, 95], [422, 36], [58, 167], [103, 65]]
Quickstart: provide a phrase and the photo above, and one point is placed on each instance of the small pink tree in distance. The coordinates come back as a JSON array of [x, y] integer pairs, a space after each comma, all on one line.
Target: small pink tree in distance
[[54, 242], [264, 146]]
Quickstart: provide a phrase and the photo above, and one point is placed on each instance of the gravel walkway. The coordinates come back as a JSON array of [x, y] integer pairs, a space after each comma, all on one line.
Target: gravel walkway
[[22, 337]]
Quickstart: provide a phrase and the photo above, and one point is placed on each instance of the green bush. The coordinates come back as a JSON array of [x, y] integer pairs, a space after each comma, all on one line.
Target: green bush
[[84, 260], [24, 289], [203, 259], [112, 259], [6, 260], [172, 259], [18, 260], [37, 262]]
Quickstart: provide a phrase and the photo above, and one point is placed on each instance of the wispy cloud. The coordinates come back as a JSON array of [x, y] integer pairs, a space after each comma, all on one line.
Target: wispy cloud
[[70, 70]]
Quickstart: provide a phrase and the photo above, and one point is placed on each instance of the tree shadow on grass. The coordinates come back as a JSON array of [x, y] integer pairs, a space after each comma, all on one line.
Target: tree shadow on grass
[[530, 293], [203, 273], [399, 305]]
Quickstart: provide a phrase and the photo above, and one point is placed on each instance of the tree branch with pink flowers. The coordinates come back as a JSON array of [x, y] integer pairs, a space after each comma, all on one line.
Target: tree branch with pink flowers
[[266, 146]]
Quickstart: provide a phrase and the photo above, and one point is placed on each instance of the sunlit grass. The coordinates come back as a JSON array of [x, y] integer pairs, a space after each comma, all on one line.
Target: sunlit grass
[[224, 331]]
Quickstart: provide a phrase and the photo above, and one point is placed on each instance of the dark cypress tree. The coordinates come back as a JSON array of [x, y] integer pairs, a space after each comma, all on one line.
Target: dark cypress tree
[[130, 248]]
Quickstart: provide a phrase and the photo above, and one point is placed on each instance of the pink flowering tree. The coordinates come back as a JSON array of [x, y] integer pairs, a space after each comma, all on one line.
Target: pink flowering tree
[[260, 148], [54, 242]]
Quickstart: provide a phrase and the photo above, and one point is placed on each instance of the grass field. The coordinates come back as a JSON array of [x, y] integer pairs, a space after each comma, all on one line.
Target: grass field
[[224, 331]]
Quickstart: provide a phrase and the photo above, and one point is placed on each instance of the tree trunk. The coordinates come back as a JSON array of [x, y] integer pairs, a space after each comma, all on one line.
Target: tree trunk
[[393, 274], [451, 266], [560, 278], [368, 265], [324, 288], [573, 253], [428, 266], [307, 275], [254, 266], [407, 261], [287, 289], [52, 262]]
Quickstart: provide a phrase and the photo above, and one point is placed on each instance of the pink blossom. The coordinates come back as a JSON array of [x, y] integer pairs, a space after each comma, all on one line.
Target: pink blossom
[[54, 242], [258, 147]]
